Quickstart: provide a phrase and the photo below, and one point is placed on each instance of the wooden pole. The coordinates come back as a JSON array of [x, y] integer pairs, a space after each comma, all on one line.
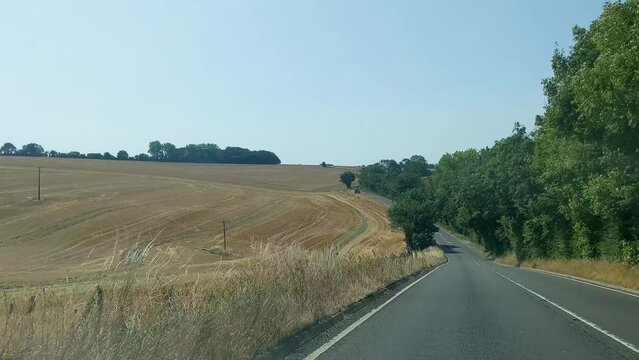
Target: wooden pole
[[224, 232], [38, 184]]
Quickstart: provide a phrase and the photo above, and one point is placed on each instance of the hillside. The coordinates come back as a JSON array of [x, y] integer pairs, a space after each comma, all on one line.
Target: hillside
[[95, 213]]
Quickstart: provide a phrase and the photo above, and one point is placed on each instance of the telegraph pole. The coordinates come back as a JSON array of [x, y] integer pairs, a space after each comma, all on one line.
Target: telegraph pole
[[38, 183], [224, 232]]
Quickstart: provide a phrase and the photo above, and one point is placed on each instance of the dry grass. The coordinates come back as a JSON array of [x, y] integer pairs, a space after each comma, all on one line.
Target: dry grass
[[614, 273], [92, 207], [230, 314], [608, 272]]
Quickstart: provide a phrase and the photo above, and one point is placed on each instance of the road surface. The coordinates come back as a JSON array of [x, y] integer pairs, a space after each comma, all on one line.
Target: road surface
[[472, 308]]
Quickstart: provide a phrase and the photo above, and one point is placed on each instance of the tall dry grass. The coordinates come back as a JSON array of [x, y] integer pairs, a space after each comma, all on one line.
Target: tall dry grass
[[233, 314], [615, 273]]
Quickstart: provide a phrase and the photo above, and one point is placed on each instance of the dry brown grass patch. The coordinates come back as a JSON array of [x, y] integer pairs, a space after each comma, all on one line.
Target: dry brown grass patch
[[229, 314], [609, 272]]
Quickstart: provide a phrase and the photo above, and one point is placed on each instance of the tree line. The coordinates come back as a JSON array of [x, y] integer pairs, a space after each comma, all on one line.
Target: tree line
[[568, 189], [192, 153]]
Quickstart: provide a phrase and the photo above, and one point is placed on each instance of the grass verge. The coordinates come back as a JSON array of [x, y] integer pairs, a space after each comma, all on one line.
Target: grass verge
[[609, 272], [233, 314]]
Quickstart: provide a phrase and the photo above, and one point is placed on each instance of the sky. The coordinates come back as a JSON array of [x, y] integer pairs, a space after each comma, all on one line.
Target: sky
[[346, 82]]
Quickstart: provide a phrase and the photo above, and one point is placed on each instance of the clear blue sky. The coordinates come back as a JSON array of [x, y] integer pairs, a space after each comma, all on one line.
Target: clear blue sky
[[346, 82]]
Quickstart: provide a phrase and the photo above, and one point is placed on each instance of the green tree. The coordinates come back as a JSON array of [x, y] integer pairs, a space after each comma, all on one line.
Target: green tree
[[142, 157], [108, 156], [31, 149], [8, 149], [122, 155], [347, 178], [415, 214], [156, 150], [169, 152]]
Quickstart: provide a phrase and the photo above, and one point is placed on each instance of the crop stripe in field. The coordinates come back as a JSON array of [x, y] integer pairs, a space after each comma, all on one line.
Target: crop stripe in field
[[574, 315], [319, 351]]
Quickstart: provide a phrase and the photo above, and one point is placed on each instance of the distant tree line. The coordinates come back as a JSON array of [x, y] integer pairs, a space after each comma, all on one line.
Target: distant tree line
[[192, 153], [569, 189]]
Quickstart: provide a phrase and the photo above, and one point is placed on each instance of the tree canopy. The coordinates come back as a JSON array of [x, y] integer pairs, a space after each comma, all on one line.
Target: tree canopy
[[193, 153], [347, 178], [570, 188], [391, 179], [414, 213]]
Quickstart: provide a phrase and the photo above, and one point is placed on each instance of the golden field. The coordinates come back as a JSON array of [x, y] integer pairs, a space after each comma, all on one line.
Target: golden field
[[95, 214]]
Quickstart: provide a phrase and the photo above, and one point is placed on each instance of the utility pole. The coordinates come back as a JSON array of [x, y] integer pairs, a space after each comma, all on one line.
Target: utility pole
[[224, 232], [38, 183]]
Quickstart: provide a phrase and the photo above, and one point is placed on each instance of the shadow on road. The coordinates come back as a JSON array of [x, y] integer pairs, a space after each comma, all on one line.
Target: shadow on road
[[450, 249]]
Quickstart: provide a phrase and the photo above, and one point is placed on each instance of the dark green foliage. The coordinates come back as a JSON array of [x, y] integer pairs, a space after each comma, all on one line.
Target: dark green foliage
[[8, 149], [156, 151], [347, 178], [96, 156], [201, 153], [209, 153], [414, 213], [414, 209], [31, 149], [142, 157], [391, 179], [122, 155], [571, 189], [486, 193]]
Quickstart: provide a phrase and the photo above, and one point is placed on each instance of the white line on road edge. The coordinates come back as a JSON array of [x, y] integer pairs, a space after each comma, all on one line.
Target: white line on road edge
[[576, 279], [319, 351], [604, 286], [589, 323]]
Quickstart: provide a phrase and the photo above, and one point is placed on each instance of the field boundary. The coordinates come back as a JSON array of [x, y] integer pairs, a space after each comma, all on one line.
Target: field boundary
[[310, 332]]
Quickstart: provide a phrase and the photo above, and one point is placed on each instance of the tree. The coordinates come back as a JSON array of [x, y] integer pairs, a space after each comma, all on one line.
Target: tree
[[8, 149], [142, 157], [31, 149], [347, 178], [96, 156], [107, 156], [156, 150], [323, 164], [415, 214], [170, 153], [122, 155], [390, 178]]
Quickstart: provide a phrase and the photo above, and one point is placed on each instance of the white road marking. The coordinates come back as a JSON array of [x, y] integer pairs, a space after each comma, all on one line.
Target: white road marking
[[319, 351], [573, 278], [574, 315]]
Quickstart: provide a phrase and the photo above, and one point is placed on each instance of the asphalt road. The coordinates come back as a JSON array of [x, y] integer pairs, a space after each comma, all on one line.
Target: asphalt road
[[472, 308]]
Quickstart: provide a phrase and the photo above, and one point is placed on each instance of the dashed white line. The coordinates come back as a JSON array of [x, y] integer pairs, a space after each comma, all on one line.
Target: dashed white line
[[574, 315]]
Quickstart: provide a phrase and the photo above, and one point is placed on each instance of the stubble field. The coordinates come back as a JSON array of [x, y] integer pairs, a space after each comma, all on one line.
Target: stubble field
[[96, 213]]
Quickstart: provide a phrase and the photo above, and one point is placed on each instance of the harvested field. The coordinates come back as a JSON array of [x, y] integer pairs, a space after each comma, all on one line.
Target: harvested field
[[95, 213]]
